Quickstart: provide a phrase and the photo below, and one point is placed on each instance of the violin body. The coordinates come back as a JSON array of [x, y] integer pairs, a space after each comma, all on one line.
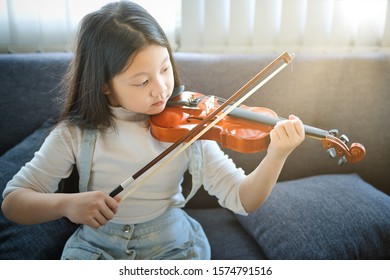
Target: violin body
[[245, 129], [234, 133]]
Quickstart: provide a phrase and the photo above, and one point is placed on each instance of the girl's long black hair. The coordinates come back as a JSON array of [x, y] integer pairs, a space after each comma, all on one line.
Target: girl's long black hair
[[107, 40]]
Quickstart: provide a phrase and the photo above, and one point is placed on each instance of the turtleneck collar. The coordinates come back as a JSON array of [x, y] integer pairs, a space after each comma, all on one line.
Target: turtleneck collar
[[126, 115]]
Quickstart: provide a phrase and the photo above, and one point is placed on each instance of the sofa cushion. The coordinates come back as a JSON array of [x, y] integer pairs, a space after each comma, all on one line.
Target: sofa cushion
[[323, 217], [42, 241], [15, 158]]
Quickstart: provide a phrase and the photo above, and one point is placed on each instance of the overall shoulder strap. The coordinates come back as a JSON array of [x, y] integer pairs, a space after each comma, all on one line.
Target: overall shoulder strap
[[196, 168], [86, 156]]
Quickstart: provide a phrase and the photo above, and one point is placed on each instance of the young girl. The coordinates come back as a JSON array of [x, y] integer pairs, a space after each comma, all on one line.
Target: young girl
[[122, 72]]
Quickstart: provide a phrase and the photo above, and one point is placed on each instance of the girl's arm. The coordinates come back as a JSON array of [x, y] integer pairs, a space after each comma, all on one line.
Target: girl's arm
[[30, 196], [26, 206], [256, 187]]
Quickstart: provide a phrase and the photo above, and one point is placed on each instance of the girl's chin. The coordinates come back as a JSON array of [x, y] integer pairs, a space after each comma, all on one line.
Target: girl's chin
[[156, 110]]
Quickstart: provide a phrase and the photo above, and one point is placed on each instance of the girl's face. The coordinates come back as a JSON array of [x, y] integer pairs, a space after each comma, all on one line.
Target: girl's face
[[146, 85]]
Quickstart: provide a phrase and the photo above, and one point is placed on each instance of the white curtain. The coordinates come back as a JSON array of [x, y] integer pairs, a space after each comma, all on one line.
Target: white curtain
[[49, 25], [275, 25], [246, 26]]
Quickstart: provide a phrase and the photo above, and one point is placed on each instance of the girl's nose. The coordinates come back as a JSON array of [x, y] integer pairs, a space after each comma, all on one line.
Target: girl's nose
[[159, 88]]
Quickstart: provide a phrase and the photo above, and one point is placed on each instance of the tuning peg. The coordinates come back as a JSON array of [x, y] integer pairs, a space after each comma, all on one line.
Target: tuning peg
[[333, 132], [344, 138], [342, 160], [332, 152]]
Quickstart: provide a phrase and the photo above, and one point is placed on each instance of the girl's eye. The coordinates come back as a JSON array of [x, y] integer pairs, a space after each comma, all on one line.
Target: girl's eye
[[166, 69], [142, 84]]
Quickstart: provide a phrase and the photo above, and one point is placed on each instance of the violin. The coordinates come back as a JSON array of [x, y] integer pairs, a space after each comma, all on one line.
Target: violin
[[245, 129]]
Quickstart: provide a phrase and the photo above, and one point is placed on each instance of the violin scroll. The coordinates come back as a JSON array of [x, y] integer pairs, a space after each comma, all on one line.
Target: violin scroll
[[338, 147]]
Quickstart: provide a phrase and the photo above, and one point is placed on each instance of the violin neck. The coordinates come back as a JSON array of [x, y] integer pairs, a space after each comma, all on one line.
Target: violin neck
[[272, 121]]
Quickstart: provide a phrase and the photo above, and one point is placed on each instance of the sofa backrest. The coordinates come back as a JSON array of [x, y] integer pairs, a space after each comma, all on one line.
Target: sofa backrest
[[29, 91]]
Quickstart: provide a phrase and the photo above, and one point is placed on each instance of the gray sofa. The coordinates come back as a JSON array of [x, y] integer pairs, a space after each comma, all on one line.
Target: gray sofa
[[351, 202]]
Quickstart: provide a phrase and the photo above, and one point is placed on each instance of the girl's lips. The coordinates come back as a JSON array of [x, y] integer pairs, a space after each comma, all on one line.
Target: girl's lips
[[160, 103]]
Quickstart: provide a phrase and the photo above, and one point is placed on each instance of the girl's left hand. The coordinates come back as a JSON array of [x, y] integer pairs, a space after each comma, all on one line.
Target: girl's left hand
[[285, 137]]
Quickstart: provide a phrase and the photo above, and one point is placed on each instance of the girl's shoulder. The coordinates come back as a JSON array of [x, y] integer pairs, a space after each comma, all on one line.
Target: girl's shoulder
[[66, 129], [66, 134]]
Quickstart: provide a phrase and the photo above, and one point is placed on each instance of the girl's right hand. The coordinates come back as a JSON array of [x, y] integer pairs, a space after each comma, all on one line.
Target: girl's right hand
[[93, 208]]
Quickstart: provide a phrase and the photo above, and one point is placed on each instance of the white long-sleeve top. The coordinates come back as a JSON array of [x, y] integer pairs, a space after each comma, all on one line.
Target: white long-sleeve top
[[121, 152]]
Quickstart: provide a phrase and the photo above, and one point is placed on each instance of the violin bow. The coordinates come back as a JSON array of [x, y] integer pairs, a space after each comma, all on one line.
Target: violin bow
[[229, 105]]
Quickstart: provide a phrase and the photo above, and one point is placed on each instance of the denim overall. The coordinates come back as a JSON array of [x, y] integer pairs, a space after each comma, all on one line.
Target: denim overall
[[172, 235]]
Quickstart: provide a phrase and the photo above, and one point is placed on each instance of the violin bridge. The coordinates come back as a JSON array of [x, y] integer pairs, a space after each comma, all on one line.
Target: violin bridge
[[209, 104]]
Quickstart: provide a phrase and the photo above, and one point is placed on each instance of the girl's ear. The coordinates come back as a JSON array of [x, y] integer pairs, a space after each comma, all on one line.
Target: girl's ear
[[106, 89]]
